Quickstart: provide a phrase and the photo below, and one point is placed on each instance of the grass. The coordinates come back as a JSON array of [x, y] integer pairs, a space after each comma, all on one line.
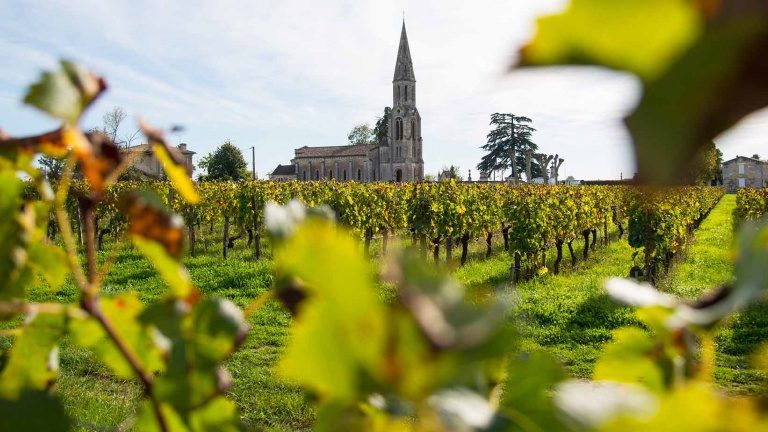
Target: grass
[[567, 314], [707, 264]]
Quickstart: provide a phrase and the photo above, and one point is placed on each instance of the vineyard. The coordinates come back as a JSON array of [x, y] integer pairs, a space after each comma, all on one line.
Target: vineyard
[[751, 204], [527, 221], [426, 307]]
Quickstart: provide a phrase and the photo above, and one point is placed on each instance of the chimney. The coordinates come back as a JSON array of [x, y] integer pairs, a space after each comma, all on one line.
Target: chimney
[[183, 147]]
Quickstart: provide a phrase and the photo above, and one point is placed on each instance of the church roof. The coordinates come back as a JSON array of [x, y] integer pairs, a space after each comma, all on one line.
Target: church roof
[[335, 151], [284, 170], [404, 66]]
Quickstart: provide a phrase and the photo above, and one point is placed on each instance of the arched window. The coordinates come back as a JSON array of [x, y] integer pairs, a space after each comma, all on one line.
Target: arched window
[[359, 175], [305, 175], [406, 93], [399, 176], [330, 174], [399, 129], [413, 129], [317, 174], [374, 174], [345, 175]]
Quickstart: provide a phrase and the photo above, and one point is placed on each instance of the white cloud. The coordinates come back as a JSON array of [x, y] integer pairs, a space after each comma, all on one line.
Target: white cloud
[[282, 74]]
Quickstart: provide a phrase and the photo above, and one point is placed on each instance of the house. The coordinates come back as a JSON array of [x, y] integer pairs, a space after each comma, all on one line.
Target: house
[[147, 164], [743, 171], [283, 173]]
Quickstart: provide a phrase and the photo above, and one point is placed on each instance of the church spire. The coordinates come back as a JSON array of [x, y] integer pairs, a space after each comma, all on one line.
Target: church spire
[[404, 66]]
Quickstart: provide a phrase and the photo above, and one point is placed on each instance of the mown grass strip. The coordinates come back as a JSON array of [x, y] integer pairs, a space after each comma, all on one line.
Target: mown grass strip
[[707, 264]]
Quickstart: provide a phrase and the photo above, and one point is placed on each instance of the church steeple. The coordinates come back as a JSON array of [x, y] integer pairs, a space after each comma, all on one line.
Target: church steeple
[[404, 66]]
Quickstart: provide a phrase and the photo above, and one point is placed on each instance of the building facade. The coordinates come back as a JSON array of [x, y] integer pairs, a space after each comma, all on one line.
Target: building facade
[[396, 158], [743, 171], [283, 173], [149, 166]]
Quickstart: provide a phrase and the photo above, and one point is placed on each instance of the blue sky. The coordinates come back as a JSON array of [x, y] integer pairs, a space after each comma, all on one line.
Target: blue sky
[[279, 75]]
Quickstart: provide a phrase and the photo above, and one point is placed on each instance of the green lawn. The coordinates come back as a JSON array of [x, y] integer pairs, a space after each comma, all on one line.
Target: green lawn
[[708, 263], [567, 314]]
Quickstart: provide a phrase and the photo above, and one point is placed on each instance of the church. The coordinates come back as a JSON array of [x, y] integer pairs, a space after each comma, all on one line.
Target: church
[[397, 158]]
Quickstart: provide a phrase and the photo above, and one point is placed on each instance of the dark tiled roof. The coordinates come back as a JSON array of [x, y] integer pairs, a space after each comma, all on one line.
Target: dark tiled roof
[[284, 170], [743, 157], [335, 151]]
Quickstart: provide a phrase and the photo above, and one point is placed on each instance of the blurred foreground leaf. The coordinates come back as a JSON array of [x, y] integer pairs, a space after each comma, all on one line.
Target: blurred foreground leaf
[[338, 334], [65, 93], [637, 36]]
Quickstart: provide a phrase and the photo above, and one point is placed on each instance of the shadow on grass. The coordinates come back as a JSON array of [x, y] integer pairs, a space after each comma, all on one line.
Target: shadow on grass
[[746, 332]]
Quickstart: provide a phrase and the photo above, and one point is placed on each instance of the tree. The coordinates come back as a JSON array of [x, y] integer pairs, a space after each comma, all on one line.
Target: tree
[[53, 168], [512, 134], [112, 120], [361, 134], [707, 166], [381, 130], [225, 163]]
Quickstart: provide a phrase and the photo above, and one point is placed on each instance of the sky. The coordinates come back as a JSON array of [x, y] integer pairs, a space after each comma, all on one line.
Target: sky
[[281, 74]]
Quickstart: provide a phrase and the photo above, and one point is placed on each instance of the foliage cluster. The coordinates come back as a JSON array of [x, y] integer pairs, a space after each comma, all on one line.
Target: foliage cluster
[[661, 221], [174, 347], [751, 204]]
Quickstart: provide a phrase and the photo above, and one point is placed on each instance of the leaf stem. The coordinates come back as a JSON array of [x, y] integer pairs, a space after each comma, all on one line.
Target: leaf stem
[[89, 287]]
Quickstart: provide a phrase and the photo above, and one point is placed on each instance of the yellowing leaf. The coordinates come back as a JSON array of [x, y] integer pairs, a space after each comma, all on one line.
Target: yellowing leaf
[[636, 36], [178, 174]]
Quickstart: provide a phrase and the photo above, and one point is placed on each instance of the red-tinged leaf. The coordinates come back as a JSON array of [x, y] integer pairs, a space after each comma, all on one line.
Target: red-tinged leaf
[[150, 220], [98, 155]]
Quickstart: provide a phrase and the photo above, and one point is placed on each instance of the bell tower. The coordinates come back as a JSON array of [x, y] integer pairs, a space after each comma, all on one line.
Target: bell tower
[[405, 160]]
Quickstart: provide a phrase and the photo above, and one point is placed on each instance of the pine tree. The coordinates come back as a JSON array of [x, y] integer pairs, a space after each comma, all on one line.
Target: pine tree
[[512, 134]]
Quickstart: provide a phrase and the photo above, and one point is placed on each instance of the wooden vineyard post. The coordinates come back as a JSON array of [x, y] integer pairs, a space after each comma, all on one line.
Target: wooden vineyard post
[[225, 241]]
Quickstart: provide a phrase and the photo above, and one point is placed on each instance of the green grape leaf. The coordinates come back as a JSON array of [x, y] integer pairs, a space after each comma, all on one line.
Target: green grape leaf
[[33, 361], [219, 415], [220, 327], [174, 274], [527, 398], [13, 273], [123, 313], [628, 359], [65, 93], [50, 261], [637, 36], [341, 310], [199, 340], [34, 411]]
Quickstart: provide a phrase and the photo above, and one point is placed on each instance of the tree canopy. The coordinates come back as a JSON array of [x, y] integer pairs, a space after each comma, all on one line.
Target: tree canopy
[[381, 130], [511, 133], [361, 134], [225, 163], [707, 166]]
